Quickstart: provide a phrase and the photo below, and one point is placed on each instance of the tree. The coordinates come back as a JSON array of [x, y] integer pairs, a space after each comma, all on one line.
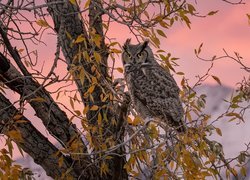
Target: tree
[[116, 144]]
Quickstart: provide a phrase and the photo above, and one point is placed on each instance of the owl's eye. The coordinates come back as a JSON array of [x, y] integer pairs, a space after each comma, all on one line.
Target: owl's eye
[[129, 56], [139, 55]]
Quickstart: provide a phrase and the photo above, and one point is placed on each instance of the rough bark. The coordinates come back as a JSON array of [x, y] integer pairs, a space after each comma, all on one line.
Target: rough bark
[[67, 21], [53, 118], [32, 141]]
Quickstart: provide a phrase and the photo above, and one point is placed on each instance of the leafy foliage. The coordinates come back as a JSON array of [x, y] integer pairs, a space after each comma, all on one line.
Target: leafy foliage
[[110, 127]]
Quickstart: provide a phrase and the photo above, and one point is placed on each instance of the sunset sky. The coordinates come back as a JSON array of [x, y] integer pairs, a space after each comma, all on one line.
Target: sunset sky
[[228, 29]]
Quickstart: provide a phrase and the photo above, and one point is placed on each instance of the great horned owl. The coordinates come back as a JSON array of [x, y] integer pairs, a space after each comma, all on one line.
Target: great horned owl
[[154, 92]]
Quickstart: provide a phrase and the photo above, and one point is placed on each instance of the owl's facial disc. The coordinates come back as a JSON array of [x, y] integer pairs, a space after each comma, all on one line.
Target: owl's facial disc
[[142, 58]]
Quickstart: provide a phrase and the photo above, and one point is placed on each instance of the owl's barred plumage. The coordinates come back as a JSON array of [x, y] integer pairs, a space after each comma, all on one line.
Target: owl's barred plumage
[[154, 92]]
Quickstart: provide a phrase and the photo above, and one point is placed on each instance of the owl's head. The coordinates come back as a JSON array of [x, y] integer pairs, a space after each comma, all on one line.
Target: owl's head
[[139, 55]]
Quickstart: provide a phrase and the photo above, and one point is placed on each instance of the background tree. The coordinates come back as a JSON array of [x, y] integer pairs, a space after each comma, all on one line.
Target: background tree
[[113, 142]]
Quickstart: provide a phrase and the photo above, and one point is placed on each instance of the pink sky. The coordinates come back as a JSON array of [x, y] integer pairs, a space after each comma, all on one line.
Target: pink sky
[[228, 29]]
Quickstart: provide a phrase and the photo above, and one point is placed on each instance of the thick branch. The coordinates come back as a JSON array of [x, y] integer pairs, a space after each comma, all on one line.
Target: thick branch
[[31, 140], [47, 110], [69, 23], [13, 51]]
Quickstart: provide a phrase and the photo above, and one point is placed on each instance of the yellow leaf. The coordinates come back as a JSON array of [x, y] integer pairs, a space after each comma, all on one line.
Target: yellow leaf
[[82, 76], [216, 79], [218, 131], [199, 49], [108, 157], [91, 89], [130, 121], [97, 56], [22, 121], [86, 55], [234, 114], [156, 41], [120, 70], [87, 4], [99, 118], [136, 121], [97, 39], [86, 109], [212, 13], [71, 103], [234, 172], [94, 80], [171, 165], [60, 161], [80, 39], [94, 108], [180, 73], [227, 173], [248, 17], [146, 14], [145, 32], [17, 116], [93, 68], [104, 168], [113, 44], [243, 171], [163, 24], [74, 145], [14, 134], [42, 23], [38, 99], [188, 116], [191, 8], [161, 33], [115, 51], [20, 50], [73, 2], [78, 113]]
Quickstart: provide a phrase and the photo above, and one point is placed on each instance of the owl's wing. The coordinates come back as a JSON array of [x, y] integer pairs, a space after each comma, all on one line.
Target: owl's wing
[[160, 94]]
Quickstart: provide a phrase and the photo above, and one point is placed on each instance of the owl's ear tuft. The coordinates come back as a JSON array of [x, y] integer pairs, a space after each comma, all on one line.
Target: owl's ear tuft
[[125, 46], [145, 44]]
